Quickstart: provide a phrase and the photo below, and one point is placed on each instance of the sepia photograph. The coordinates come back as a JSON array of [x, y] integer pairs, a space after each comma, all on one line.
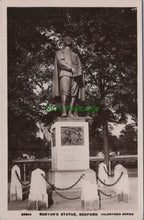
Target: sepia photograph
[[73, 119]]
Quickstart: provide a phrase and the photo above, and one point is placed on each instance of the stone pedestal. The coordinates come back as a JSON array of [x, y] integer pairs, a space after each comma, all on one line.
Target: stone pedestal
[[70, 151]]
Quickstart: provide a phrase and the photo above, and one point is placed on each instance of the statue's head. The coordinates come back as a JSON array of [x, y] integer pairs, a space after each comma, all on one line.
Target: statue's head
[[67, 41]]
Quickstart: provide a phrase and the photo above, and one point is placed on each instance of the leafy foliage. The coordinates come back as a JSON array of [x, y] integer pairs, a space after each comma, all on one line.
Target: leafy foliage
[[104, 38], [128, 140]]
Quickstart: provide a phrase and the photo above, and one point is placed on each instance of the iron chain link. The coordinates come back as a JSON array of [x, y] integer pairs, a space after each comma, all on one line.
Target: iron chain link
[[109, 185]]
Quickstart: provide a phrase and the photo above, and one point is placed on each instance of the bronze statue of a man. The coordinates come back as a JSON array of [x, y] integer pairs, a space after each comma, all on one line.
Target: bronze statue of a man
[[68, 78]]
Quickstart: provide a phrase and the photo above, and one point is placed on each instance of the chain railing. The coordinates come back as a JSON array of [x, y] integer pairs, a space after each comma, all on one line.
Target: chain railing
[[22, 183], [54, 188], [109, 185], [107, 195], [74, 198], [63, 189]]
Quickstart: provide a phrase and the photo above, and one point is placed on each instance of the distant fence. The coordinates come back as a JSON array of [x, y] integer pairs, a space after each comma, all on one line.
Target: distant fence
[[129, 161], [27, 166]]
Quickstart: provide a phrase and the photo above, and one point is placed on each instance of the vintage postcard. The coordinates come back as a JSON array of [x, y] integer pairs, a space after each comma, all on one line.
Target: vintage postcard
[[71, 109]]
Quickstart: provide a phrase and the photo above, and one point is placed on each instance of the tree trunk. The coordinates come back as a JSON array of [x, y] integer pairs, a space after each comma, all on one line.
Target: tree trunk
[[106, 145]]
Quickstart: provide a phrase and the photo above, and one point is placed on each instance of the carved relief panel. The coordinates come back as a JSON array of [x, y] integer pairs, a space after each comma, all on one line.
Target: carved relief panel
[[72, 136]]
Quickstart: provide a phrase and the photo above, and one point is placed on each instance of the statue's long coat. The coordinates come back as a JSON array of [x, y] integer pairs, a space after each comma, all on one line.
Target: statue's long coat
[[56, 79]]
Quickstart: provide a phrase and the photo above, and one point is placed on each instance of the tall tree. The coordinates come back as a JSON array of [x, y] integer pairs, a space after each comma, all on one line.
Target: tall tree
[[105, 39]]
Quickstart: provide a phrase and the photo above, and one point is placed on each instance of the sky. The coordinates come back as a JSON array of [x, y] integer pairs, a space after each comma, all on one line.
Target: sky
[[117, 128]]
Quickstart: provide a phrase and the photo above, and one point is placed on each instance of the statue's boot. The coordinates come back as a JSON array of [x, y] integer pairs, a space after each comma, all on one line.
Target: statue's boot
[[70, 115], [64, 114]]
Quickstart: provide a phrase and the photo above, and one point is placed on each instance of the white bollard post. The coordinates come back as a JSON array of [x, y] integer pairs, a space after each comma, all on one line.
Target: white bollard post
[[102, 174], [89, 197], [38, 197], [15, 186], [122, 187]]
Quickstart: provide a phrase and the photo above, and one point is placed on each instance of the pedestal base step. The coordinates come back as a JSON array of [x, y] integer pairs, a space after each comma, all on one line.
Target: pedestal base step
[[66, 196]]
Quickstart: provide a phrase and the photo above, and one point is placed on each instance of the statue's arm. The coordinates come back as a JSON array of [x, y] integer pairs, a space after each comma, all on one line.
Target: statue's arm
[[78, 70], [79, 67], [62, 63], [80, 73]]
